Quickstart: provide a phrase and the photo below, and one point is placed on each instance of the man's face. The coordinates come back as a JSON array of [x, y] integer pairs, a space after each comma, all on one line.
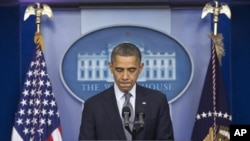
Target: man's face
[[125, 70]]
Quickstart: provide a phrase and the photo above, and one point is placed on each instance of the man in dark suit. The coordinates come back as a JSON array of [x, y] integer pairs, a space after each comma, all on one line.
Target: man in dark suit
[[102, 114]]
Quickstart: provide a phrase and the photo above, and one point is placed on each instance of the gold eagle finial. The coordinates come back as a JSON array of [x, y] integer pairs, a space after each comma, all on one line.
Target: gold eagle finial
[[38, 11]]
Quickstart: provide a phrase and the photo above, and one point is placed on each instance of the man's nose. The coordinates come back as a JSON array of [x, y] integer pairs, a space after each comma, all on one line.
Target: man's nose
[[125, 75]]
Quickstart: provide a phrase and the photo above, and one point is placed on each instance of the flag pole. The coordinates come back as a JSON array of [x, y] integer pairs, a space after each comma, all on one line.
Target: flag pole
[[217, 48], [38, 10]]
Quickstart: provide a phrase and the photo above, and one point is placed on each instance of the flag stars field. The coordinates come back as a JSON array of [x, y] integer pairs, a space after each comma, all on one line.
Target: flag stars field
[[208, 114]]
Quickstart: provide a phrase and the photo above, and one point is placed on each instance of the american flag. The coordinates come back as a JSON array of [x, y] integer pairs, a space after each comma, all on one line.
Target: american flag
[[37, 116]]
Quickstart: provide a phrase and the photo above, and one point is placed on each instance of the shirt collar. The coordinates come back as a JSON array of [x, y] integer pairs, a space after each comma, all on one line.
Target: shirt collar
[[119, 93]]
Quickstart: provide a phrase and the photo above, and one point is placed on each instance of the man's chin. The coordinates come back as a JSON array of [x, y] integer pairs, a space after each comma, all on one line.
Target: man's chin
[[125, 88]]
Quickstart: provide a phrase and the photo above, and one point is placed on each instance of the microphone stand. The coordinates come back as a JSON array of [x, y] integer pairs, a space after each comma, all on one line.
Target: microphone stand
[[134, 130], [126, 114], [133, 133]]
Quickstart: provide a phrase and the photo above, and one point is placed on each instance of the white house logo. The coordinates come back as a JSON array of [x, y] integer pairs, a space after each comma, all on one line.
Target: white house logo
[[167, 65]]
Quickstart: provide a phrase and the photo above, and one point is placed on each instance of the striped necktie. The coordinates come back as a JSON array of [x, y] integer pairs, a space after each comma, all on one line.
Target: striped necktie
[[131, 118]]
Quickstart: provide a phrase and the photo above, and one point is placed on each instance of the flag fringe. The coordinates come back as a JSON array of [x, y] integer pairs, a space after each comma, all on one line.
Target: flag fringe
[[219, 45], [38, 39]]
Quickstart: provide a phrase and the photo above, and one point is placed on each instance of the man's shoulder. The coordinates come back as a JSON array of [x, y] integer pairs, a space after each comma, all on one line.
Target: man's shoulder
[[101, 95], [149, 91]]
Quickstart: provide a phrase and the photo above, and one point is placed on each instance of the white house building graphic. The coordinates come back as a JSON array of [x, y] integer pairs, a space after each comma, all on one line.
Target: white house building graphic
[[85, 65], [157, 65]]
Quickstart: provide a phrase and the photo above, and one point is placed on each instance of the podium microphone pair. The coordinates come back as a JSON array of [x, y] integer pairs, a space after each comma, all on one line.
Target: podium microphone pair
[[126, 113]]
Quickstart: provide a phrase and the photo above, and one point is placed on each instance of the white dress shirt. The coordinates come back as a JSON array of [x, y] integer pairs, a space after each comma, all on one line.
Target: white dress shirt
[[120, 98]]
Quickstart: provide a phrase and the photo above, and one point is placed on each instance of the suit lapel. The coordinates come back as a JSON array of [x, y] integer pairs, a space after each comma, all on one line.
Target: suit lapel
[[113, 113], [140, 106], [141, 100]]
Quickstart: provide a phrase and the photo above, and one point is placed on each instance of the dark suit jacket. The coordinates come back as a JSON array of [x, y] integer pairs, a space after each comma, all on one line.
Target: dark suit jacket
[[101, 119]]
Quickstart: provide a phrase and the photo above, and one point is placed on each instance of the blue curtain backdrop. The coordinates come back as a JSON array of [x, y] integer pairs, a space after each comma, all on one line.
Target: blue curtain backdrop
[[240, 47], [16, 47], [10, 67]]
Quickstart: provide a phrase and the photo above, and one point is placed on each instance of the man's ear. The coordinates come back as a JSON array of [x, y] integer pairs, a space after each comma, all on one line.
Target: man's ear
[[111, 67], [141, 66]]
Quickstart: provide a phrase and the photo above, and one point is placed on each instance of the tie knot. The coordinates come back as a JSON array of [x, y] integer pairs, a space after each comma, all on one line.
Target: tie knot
[[127, 96]]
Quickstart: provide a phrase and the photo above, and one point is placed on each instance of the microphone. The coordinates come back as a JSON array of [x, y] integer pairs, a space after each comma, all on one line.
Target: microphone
[[126, 113], [141, 116]]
